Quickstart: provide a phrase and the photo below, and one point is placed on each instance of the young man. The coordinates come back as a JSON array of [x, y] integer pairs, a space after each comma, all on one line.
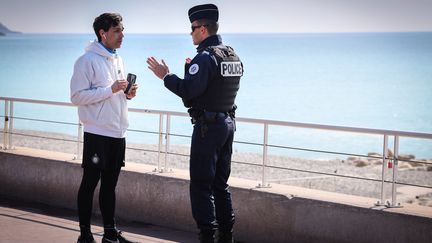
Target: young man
[[209, 89], [97, 87]]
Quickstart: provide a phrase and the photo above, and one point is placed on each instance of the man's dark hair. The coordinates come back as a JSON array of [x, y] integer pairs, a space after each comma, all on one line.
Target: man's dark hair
[[212, 26], [106, 21]]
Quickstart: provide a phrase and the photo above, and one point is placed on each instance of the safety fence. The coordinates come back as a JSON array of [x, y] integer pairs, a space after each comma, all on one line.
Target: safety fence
[[389, 159]]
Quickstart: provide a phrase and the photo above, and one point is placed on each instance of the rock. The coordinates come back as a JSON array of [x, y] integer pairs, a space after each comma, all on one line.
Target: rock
[[416, 164], [4, 29], [405, 166], [376, 161], [389, 153], [406, 157], [374, 156], [361, 162]]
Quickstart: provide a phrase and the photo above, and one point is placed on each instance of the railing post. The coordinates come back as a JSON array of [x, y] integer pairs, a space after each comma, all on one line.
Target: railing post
[[11, 111], [384, 164], [167, 141], [395, 169], [160, 141], [79, 139], [265, 149], [6, 125]]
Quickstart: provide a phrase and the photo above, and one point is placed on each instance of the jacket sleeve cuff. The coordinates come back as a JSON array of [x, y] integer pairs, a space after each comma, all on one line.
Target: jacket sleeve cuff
[[108, 92], [166, 75]]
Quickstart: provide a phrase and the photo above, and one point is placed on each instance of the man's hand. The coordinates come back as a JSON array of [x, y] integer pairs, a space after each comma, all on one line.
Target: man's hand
[[132, 91], [159, 69], [119, 85]]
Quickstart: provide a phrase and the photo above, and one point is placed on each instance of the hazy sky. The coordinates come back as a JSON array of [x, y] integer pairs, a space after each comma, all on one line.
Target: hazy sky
[[170, 16]]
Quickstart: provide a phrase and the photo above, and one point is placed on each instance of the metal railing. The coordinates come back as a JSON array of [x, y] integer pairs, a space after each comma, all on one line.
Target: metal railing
[[386, 159]]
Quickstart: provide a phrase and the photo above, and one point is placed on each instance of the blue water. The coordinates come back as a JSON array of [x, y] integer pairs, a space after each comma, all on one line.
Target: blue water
[[372, 80]]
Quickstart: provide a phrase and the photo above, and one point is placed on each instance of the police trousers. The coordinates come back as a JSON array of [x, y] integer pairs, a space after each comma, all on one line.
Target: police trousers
[[210, 167]]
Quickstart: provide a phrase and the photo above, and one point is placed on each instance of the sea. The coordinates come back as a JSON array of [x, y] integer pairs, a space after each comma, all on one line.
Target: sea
[[366, 80]]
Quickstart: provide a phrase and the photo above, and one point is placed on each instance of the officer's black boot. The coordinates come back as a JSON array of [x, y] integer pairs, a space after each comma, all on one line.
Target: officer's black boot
[[206, 236], [225, 237]]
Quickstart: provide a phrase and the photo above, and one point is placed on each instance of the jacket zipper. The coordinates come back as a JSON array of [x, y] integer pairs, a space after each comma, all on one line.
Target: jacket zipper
[[118, 72]]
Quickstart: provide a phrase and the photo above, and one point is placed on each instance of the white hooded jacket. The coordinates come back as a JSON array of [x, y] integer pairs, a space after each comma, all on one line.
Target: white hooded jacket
[[101, 111]]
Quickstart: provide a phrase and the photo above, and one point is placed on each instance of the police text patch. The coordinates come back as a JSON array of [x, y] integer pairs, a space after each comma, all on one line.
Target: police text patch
[[231, 69]]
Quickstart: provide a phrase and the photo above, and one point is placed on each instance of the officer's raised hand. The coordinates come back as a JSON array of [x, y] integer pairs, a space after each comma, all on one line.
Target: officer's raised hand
[[159, 69]]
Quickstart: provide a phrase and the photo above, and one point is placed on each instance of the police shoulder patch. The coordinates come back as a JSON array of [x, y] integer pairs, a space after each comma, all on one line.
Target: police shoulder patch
[[231, 69], [193, 69]]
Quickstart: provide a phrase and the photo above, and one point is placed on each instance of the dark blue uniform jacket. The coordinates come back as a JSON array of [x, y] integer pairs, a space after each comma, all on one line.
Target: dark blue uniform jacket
[[195, 81]]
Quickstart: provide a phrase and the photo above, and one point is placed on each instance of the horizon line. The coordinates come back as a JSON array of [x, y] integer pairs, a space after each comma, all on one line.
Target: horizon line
[[303, 32]]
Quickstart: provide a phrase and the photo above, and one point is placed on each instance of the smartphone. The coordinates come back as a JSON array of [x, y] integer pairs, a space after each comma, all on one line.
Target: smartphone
[[131, 78]]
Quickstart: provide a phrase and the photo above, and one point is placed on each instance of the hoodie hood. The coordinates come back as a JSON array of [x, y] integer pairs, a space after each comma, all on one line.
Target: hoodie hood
[[97, 48]]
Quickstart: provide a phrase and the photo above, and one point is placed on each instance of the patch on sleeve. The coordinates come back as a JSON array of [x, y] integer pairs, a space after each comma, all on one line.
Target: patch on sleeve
[[193, 69], [231, 69]]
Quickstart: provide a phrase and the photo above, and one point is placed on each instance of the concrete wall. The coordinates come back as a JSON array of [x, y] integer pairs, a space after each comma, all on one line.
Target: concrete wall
[[276, 214]]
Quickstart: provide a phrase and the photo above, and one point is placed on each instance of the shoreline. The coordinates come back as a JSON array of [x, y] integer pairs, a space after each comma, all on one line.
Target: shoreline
[[336, 175]]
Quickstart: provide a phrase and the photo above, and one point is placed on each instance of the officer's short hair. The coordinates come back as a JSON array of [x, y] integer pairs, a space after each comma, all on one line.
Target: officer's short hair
[[106, 21], [212, 26]]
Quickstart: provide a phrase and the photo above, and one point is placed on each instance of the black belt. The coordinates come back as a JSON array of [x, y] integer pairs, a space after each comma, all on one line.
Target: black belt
[[208, 116]]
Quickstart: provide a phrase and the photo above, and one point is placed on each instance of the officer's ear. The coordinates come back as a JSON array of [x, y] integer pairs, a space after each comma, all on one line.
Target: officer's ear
[[204, 31]]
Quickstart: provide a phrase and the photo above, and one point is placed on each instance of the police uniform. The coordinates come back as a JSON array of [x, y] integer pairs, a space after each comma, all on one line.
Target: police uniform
[[208, 89]]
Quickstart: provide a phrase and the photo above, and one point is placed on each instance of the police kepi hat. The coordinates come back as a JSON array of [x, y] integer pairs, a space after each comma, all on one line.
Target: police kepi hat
[[205, 11]]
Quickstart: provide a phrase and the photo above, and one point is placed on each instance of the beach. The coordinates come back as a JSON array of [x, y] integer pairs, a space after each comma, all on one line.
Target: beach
[[336, 175]]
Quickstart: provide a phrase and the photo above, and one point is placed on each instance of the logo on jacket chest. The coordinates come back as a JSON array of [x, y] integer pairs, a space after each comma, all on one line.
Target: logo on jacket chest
[[193, 69]]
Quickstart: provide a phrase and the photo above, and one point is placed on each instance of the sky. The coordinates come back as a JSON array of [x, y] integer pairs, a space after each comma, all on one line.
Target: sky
[[235, 16]]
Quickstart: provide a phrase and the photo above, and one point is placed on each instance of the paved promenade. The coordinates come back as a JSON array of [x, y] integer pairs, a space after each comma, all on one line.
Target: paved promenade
[[37, 223]]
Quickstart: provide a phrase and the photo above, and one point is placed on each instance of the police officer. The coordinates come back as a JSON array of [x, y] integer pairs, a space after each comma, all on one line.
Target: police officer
[[208, 89]]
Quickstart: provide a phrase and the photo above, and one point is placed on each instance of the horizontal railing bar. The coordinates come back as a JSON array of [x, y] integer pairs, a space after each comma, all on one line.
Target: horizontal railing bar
[[242, 142], [410, 184], [246, 163], [158, 112], [260, 121], [38, 136], [249, 143], [414, 161], [184, 155], [338, 128], [299, 178], [45, 102], [318, 151], [142, 131], [179, 135], [311, 150], [322, 173], [41, 120], [292, 148], [141, 149], [365, 156], [336, 175], [163, 133]]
